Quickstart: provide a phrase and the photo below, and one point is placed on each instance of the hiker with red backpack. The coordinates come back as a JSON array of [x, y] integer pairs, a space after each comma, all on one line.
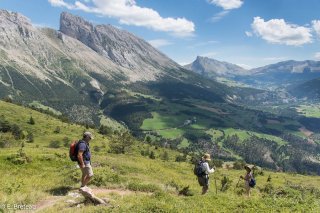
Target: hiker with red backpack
[[202, 171], [80, 152]]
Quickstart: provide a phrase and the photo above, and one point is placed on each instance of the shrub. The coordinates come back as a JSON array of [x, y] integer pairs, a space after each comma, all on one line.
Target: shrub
[[4, 124], [17, 132], [217, 163], [268, 188], [66, 142], [29, 137], [181, 158], [152, 156], [96, 148], [104, 130], [120, 144], [4, 143], [55, 144], [165, 156], [31, 121], [239, 165], [225, 183], [57, 130], [186, 191]]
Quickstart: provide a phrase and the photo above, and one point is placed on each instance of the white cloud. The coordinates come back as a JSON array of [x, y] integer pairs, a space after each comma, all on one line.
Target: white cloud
[[220, 15], [227, 4], [61, 3], [249, 34], [316, 27], [279, 32], [317, 56], [129, 13], [159, 43]]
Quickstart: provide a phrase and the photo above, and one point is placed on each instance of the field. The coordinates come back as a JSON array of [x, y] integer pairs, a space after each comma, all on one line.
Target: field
[[311, 110], [131, 182]]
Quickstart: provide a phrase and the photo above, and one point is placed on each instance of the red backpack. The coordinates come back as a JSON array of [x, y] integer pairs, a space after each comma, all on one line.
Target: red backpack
[[73, 152]]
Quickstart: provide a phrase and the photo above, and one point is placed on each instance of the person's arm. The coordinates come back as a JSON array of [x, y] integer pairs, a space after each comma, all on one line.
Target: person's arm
[[207, 169], [80, 159]]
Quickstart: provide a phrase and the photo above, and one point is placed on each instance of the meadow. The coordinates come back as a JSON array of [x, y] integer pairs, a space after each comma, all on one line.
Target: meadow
[[38, 171]]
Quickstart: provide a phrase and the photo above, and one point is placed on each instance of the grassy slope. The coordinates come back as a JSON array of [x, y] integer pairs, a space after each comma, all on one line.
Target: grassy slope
[[51, 173], [312, 110]]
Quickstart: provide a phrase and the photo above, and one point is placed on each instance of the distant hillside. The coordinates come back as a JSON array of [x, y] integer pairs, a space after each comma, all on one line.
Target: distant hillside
[[283, 74], [309, 90]]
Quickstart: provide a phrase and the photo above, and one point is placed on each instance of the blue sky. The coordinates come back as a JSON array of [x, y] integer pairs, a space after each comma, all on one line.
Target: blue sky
[[249, 33]]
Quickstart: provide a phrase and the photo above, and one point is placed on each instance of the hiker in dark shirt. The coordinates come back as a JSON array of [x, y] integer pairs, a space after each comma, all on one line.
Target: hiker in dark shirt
[[84, 158]]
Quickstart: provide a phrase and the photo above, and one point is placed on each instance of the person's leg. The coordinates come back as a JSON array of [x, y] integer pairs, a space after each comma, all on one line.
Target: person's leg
[[86, 180], [88, 174], [247, 187], [83, 178], [205, 189]]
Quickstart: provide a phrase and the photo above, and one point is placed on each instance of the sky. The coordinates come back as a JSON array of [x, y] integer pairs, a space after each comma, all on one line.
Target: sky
[[249, 33]]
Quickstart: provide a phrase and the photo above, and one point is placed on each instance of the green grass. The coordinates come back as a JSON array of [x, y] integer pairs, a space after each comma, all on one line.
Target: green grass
[[154, 183], [38, 105], [311, 110], [244, 134]]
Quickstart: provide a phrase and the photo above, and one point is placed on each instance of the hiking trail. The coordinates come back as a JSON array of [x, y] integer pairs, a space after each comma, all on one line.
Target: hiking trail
[[72, 198]]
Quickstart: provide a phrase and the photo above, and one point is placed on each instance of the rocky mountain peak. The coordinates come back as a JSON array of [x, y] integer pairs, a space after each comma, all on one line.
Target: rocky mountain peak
[[122, 47], [13, 22]]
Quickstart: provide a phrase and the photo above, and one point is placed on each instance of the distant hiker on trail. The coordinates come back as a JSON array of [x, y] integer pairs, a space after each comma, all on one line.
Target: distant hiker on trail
[[249, 181], [84, 157], [202, 171]]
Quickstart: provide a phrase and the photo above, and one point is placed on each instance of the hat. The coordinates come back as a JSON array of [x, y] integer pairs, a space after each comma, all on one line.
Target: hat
[[88, 134], [206, 157], [248, 166]]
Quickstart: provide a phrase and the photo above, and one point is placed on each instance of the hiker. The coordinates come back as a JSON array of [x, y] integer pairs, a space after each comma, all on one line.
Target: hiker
[[84, 157], [247, 178], [204, 178]]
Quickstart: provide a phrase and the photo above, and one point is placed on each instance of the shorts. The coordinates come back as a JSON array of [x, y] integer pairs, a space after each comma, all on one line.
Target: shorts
[[87, 170], [203, 181]]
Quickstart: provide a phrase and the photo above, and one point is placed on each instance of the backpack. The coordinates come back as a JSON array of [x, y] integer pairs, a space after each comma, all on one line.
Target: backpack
[[73, 152], [252, 182], [199, 169]]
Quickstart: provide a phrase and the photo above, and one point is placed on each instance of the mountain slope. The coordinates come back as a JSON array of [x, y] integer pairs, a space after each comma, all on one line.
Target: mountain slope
[[283, 74], [126, 50], [213, 68], [309, 89]]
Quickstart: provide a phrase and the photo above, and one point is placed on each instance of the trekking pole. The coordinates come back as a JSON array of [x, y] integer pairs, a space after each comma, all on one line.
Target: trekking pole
[[215, 183], [237, 184]]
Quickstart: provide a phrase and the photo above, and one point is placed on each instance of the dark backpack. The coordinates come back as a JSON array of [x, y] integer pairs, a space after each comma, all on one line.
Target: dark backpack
[[252, 182], [199, 170]]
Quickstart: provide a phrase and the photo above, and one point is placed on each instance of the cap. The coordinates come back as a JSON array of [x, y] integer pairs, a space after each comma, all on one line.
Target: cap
[[88, 134]]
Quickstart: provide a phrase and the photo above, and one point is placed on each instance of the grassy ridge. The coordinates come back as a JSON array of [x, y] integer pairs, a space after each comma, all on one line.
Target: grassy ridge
[[156, 182]]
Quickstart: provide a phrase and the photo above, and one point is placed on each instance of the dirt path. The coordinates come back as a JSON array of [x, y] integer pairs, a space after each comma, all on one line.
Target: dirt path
[[70, 198], [211, 109], [305, 131]]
